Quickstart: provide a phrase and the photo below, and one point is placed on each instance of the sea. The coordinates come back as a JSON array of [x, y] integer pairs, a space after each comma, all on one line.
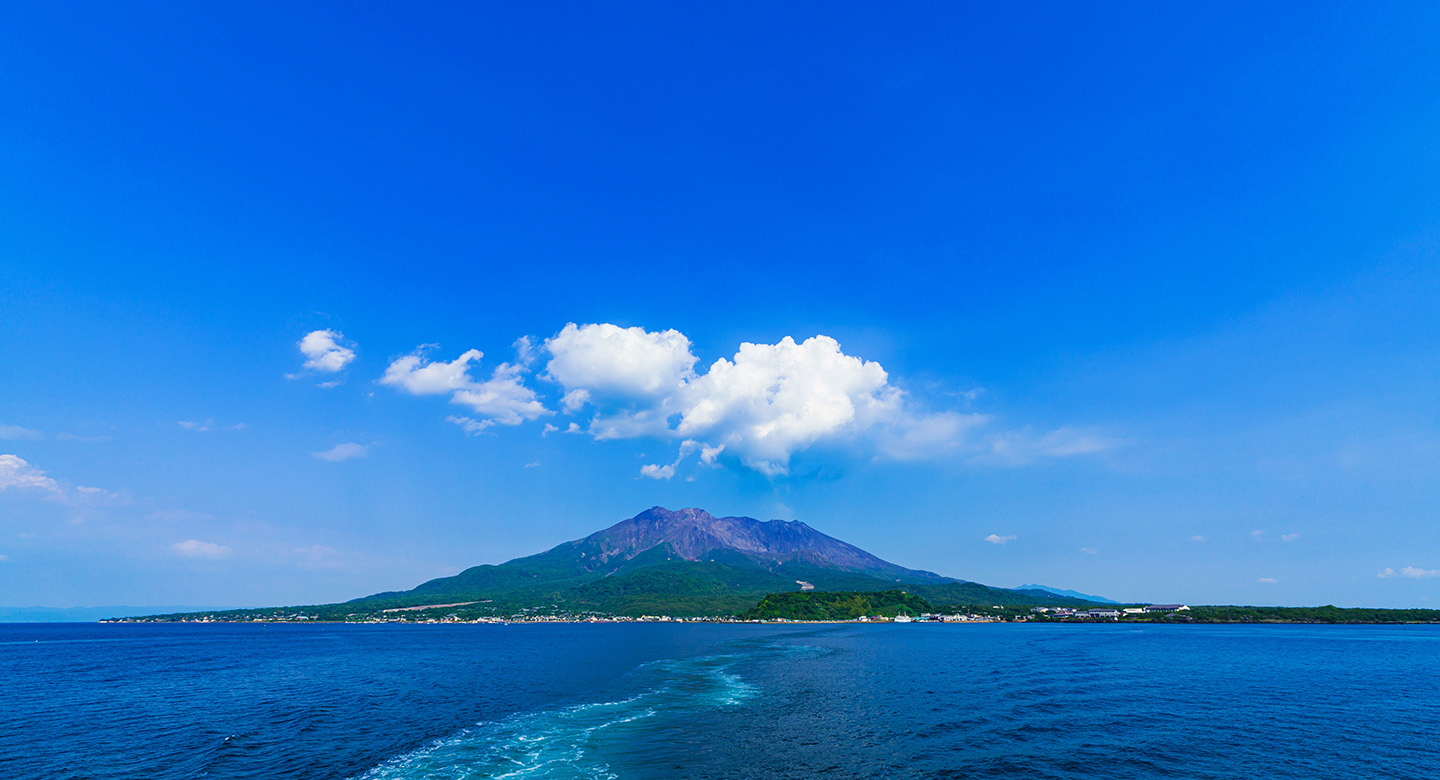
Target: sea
[[671, 700]]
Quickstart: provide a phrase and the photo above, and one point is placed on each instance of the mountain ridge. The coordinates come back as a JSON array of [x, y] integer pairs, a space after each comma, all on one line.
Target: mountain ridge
[[1068, 593]]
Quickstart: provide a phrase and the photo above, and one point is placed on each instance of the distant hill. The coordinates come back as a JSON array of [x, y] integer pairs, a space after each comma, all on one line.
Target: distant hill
[[1074, 594], [84, 614]]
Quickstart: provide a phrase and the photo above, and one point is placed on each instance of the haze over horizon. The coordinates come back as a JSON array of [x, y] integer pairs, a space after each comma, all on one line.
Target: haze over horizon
[[298, 305]]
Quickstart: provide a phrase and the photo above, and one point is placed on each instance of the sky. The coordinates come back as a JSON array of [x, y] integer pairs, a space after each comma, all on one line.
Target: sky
[[302, 303]]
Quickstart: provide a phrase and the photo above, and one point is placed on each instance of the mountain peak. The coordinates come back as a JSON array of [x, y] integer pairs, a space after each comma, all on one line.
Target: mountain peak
[[693, 534], [660, 514]]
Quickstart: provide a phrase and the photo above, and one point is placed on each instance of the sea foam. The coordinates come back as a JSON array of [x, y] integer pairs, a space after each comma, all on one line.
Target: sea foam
[[569, 742]]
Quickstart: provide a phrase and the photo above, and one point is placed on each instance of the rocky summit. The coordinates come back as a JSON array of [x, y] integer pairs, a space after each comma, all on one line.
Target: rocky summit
[[693, 534]]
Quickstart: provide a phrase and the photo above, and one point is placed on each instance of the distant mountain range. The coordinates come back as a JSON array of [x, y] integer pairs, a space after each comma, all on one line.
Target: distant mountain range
[[1074, 594], [689, 562]]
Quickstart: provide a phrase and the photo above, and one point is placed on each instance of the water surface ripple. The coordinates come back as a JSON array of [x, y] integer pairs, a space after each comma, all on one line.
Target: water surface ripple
[[634, 702]]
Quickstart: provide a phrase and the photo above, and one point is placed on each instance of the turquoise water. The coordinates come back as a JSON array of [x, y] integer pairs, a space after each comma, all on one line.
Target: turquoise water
[[719, 701]]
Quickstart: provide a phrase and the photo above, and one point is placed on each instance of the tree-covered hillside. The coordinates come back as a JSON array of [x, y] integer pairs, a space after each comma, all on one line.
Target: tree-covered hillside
[[836, 606]]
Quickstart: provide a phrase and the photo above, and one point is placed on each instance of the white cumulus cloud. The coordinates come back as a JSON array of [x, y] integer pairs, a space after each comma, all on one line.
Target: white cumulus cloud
[[998, 539], [502, 399], [626, 363], [758, 407], [768, 402], [417, 377], [324, 351], [1413, 572], [574, 400], [775, 399], [194, 548], [16, 472], [346, 451]]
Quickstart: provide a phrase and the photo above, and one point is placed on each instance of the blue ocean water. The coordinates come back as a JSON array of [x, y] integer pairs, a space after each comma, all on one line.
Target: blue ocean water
[[718, 701]]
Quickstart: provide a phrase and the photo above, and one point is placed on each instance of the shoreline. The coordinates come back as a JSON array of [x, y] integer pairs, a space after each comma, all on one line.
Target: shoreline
[[723, 621]]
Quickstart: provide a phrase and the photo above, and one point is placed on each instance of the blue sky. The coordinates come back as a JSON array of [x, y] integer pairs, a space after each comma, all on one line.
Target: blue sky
[[1137, 301]]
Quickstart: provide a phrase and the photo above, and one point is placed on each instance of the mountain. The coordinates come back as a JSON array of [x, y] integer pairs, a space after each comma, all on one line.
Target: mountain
[[660, 562], [685, 562], [1074, 594]]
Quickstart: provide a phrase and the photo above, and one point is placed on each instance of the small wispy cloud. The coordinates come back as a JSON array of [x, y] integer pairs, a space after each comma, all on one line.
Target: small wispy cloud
[[326, 351], [687, 447], [1197, 538], [16, 433], [1089, 550], [1268, 580], [316, 557], [527, 349], [346, 451], [1289, 537], [65, 436], [535, 464], [998, 539], [194, 548], [178, 516], [16, 472], [470, 425], [1025, 446], [1413, 572], [209, 426]]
